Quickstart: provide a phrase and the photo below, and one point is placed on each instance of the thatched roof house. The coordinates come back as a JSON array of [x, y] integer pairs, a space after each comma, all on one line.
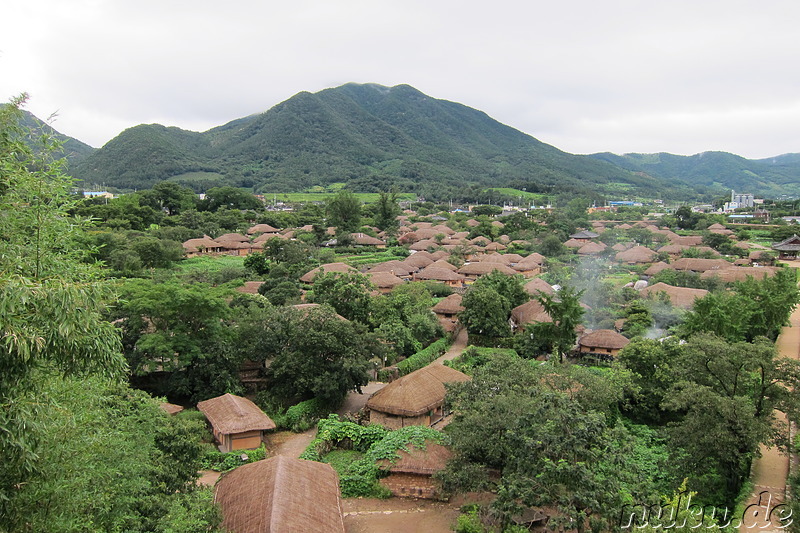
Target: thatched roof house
[[309, 276], [688, 240], [602, 341], [394, 266], [415, 399], [592, 248], [443, 275], [418, 260], [236, 422], [449, 307], [700, 265], [584, 235], [411, 474], [682, 297], [262, 228], [206, 244], [655, 268], [171, 408], [739, 273], [473, 270], [384, 281], [281, 495], [636, 255], [528, 313], [250, 287], [362, 239], [537, 285]]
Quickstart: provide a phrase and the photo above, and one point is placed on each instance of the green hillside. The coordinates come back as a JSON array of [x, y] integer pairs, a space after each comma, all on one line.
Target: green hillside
[[368, 136], [718, 170]]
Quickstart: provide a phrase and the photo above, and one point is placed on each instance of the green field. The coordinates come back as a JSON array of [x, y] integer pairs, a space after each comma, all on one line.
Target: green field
[[535, 196], [309, 197]]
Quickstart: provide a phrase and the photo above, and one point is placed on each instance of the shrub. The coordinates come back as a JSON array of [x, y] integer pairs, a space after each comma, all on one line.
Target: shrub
[[222, 462], [423, 357]]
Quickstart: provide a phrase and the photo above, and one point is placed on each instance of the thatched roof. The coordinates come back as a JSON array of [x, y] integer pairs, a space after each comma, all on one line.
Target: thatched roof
[[233, 414], [281, 495], [429, 460], [739, 273], [498, 258], [689, 240], [655, 268], [495, 246], [700, 265], [366, 240], [262, 228], [309, 276], [537, 285], [418, 260], [592, 248], [637, 254], [236, 237], [574, 243], [250, 287], [438, 274], [479, 269], [422, 245], [204, 243], [171, 408], [415, 393], [604, 338], [682, 297], [450, 305], [385, 280], [529, 313], [396, 267], [442, 263]]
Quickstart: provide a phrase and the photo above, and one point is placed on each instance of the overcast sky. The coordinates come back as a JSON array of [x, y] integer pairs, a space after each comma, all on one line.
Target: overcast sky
[[585, 76]]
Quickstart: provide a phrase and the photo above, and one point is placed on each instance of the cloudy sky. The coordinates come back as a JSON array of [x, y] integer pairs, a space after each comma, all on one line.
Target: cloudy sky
[[583, 75]]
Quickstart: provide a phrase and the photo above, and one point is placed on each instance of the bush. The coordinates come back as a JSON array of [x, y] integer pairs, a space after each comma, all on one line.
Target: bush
[[222, 462], [423, 357]]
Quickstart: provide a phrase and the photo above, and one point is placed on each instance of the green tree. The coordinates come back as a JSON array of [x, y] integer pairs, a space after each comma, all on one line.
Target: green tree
[[230, 198], [344, 212], [346, 292], [313, 353], [169, 197], [566, 311], [51, 300], [111, 460], [180, 329], [485, 312], [386, 212]]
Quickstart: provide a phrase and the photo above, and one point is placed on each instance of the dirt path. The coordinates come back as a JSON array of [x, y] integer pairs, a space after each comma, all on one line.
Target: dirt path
[[461, 342], [354, 401], [771, 470], [398, 515]]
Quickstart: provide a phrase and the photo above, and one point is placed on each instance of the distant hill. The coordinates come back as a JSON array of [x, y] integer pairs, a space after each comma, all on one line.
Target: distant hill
[[719, 170], [73, 149], [368, 136]]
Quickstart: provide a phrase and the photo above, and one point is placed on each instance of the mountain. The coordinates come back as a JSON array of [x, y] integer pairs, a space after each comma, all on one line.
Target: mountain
[[73, 149], [719, 170], [368, 136]]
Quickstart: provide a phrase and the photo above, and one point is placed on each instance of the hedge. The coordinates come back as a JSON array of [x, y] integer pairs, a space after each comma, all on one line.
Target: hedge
[[423, 357]]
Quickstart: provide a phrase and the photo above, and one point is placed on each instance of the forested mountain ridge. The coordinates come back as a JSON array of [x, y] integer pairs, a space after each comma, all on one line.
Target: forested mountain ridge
[[368, 136], [770, 177], [372, 137]]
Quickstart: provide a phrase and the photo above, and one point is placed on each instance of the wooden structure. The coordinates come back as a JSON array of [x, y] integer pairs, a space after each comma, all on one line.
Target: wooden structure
[[602, 341], [788, 248], [416, 399], [236, 422], [412, 473], [280, 495]]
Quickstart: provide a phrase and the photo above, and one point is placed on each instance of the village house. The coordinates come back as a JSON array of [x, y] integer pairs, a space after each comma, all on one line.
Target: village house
[[447, 311], [788, 248], [280, 495], [604, 342], [442, 275], [682, 297], [411, 474], [416, 399], [236, 422]]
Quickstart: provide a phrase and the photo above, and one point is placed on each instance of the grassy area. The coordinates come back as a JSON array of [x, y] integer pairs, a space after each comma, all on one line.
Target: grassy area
[[206, 263], [538, 197], [367, 258], [341, 460], [310, 197]]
